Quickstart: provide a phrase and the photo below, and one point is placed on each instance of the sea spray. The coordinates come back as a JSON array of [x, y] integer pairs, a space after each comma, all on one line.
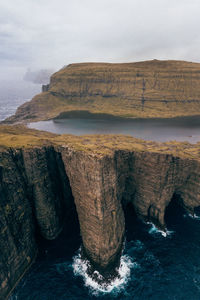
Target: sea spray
[[154, 230], [194, 216], [100, 286]]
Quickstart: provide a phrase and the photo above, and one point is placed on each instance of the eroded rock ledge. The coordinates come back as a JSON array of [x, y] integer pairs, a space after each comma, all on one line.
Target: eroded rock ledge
[[147, 89], [41, 175]]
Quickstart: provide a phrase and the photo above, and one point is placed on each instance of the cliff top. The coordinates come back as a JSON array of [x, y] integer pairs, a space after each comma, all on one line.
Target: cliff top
[[147, 89], [100, 145]]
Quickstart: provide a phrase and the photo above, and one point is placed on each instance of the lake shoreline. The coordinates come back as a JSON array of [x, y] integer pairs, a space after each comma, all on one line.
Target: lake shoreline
[[161, 130]]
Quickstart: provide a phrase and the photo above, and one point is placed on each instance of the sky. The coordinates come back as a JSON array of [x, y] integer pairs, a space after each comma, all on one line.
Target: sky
[[42, 34]]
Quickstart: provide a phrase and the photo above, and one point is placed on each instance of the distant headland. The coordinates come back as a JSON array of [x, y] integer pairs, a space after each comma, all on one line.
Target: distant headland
[[147, 89]]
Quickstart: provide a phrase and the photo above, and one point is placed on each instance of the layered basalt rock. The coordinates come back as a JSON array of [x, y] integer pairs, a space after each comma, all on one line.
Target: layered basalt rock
[[34, 193], [148, 89], [94, 186], [17, 240], [38, 185], [153, 179]]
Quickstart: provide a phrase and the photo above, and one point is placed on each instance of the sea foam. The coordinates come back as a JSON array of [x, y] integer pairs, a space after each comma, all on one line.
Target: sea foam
[[81, 266], [196, 217], [153, 230]]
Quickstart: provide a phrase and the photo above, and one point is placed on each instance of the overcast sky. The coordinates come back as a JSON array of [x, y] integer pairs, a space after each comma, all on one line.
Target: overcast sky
[[40, 34]]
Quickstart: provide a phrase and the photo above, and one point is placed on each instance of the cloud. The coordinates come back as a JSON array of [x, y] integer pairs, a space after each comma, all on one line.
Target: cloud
[[38, 77], [50, 34]]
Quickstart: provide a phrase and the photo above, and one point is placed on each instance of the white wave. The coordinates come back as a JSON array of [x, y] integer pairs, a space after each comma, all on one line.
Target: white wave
[[154, 230], [194, 216], [80, 267]]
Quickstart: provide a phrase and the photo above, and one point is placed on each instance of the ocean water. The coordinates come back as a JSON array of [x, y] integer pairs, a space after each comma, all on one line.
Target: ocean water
[[15, 93], [154, 265]]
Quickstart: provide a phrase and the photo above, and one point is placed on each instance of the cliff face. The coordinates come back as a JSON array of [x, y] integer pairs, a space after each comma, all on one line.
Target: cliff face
[[144, 89], [94, 186], [153, 179], [34, 191], [17, 241], [38, 186]]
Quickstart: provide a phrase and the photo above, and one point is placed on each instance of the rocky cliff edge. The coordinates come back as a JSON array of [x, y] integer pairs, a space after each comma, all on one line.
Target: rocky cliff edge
[[42, 175], [148, 89]]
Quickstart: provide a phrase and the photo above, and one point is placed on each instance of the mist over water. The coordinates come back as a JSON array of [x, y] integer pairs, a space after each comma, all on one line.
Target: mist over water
[[13, 94]]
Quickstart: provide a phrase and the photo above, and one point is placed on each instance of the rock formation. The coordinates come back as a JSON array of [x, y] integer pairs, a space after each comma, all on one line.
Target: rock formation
[[159, 89], [42, 174]]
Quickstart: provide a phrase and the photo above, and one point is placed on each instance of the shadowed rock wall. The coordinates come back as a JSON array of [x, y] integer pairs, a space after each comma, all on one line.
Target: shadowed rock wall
[[17, 241], [36, 188], [34, 191], [151, 180]]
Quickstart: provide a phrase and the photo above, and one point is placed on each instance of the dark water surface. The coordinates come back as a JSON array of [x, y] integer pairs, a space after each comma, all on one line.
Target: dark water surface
[[155, 267], [180, 129]]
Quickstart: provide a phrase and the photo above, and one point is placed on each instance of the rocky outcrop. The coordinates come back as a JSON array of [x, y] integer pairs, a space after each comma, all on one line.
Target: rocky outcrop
[[45, 87], [36, 188], [148, 89]]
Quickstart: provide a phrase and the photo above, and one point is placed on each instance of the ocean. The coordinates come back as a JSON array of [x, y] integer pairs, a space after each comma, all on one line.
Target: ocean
[[15, 93], [154, 265]]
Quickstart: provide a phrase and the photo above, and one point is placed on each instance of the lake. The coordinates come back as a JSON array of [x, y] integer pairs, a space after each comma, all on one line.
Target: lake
[[180, 128]]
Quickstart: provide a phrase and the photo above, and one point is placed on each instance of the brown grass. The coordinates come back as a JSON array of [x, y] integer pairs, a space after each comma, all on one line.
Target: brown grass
[[148, 89], [20, 136]]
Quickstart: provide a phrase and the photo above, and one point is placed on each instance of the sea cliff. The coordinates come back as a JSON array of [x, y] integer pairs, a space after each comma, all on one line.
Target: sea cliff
[[148, 89], [42, 175]]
